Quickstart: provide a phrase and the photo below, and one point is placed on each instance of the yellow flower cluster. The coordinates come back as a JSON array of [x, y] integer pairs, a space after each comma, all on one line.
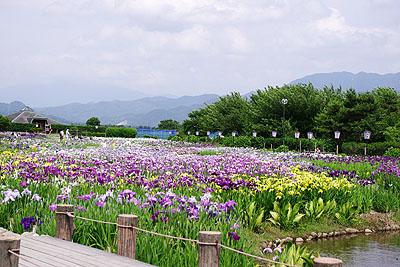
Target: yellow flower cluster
[[297, 182]]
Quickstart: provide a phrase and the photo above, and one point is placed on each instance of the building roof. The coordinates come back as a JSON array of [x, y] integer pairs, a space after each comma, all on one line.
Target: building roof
[[28, 115]]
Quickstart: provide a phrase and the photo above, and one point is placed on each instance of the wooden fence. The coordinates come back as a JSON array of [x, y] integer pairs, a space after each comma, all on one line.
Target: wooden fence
[[209, 241]]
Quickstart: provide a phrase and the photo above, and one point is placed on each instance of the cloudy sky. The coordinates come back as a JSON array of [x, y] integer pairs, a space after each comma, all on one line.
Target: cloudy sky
[[59, 51]]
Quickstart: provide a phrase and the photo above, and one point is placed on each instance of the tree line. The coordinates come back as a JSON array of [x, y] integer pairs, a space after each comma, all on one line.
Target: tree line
[[308, 109]]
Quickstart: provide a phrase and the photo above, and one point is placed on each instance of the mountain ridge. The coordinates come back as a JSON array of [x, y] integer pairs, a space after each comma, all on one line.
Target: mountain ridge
[[361, 82]]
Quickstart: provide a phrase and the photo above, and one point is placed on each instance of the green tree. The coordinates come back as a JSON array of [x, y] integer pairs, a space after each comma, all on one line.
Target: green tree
[[230, 113], [169, 125], [93, 121], [304, 103], [4, 123]]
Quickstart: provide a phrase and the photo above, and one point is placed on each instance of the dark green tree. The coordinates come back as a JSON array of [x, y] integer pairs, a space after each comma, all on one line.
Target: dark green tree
[[169, 125], [93, 121], [230, 113], [304, 103], [4, 123]]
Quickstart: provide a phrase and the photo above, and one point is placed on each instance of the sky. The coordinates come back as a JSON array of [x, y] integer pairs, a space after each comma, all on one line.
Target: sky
[[55, 52]]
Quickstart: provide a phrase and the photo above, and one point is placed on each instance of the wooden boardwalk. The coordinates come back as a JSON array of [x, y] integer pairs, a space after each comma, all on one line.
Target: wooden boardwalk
[[49, 251]]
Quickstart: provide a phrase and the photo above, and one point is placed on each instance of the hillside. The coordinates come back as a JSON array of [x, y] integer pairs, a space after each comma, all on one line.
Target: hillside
[[13, 107], [146, 111], [361, 81]]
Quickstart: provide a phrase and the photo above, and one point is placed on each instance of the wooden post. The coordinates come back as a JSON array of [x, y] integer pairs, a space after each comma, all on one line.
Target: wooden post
[[209, 254], [64, 224], [327, 262], [6, 258], [127, 236]]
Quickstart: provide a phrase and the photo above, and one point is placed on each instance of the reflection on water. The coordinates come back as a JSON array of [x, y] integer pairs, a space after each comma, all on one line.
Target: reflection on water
[[376, 249]]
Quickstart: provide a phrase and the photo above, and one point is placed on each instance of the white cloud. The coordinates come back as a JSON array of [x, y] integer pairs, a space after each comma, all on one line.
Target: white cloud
[[204, 45]]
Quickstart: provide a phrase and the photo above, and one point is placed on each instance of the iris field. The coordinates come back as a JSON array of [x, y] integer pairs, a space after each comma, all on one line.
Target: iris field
[[181, 188]]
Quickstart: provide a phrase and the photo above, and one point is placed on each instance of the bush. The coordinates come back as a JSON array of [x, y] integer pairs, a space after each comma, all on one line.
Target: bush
[[353, 148], [22, 127], [4, 123], [392, 152], [175, 138], [376, 149], [191, 139], [121, 132], [96, 134], [282, 148], [150, 136]]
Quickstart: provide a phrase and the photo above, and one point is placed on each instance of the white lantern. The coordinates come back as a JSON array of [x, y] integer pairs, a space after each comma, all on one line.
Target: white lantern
[[297, 135], [337, 134], [274, 134], [367, 135], [254, 134], [310, 135]]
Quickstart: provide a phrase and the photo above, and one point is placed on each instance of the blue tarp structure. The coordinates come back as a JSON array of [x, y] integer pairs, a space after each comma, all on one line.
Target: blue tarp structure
[[161, 134]]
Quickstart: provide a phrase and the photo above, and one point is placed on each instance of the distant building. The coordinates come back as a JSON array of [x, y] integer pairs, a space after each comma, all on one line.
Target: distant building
[[28, 115]]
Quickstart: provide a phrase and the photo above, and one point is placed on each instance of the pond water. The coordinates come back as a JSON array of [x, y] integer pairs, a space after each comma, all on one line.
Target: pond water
[[376, 249]]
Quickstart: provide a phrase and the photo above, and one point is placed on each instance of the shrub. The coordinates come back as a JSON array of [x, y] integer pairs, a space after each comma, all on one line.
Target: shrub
[[353, 148], [96, 134], [392, 152], [282, 148], [121, 132], [4, 123], [22, 127], [376, 149]]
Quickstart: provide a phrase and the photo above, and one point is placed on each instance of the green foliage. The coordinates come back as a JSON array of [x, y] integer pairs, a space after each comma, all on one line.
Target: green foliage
[[253, 217], [238, 141], [316, 208], [392, 152], [4, 123], [309, 109], [121, 132], [385, 201], [377, 148], [93, 121], [346, 213], [228, 114], [22, 127], [296, 255], [175, 138], [304, 103], [209, 153], [169, 125], [96, 134], [285, 217], [282, 148]]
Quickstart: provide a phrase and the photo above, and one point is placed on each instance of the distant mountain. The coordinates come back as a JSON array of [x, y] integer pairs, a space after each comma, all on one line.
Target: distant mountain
[[55, 94], [361, 81], [145, 111], [13, 107]]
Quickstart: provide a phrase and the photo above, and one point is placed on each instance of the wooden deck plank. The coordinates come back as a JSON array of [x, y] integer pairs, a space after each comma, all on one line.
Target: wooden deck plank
[[81, 254], [50, 251], [46, 252]]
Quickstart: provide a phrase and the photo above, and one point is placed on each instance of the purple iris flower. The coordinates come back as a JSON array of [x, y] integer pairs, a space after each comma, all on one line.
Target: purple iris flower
[[234, 235], [53, 207]]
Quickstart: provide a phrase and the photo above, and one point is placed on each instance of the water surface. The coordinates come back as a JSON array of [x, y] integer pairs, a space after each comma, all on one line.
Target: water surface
[[376, 249]]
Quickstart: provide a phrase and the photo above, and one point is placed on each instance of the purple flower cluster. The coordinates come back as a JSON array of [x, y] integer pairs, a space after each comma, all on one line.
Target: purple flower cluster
[[27, 222], [234, 235]]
